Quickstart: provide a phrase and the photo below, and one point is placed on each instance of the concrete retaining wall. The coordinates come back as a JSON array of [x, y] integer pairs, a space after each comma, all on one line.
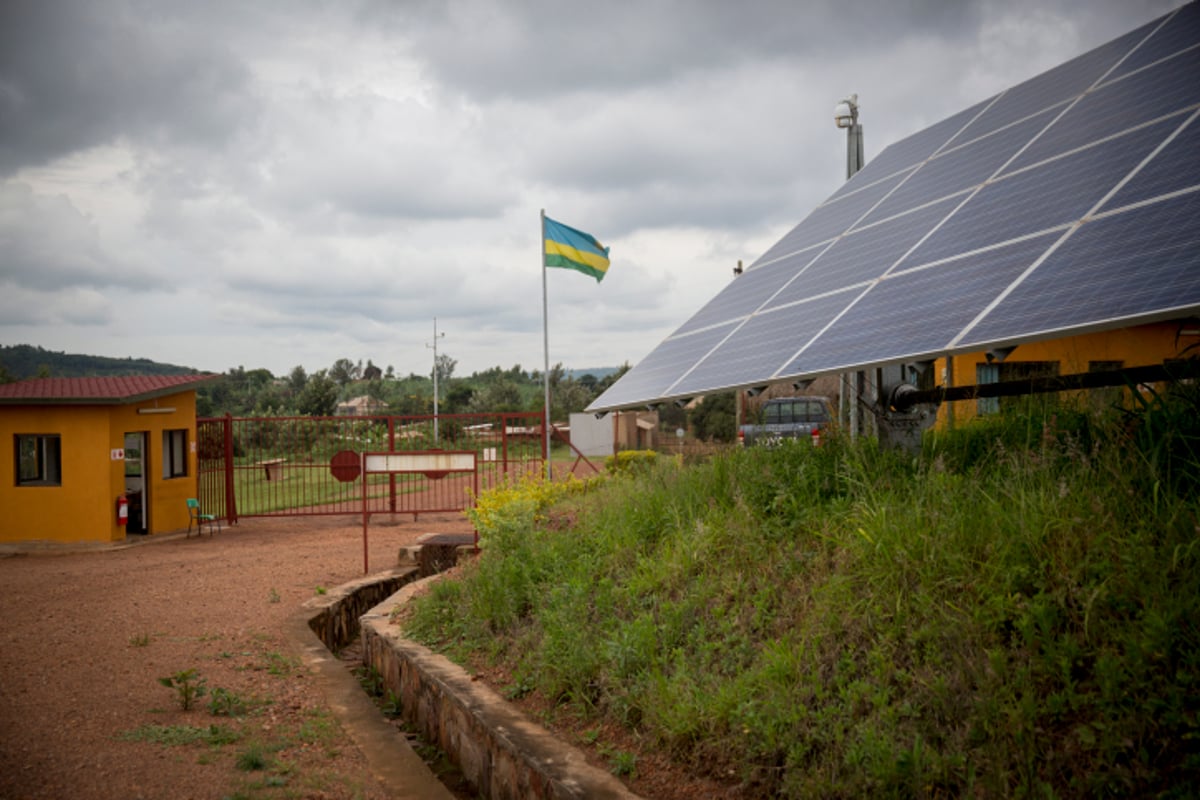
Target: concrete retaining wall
[[502, 753], [336, 614]]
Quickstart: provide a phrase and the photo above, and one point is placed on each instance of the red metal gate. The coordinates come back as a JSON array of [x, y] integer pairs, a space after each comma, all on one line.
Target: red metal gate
[[292, 466]]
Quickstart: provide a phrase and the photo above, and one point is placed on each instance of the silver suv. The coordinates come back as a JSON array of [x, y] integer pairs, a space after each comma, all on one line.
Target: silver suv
[[788, 418]]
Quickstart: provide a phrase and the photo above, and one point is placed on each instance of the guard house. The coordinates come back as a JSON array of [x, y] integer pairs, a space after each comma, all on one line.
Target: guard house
[[71, 447]]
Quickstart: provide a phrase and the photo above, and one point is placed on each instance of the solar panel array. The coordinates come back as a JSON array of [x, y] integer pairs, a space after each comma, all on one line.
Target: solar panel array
[[1068, 203]]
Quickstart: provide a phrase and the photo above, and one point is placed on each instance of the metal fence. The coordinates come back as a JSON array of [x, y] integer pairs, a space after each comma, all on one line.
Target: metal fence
[[292, 466]]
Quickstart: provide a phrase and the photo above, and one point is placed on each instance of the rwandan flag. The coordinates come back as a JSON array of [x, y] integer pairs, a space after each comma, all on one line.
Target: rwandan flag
[[567, 247]]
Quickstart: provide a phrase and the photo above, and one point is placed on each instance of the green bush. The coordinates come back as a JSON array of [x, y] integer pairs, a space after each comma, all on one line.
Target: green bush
[[630, 461]]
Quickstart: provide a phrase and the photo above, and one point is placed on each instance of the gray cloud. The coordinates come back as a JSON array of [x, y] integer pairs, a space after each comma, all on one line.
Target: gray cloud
[[78, 74], [324, 179]]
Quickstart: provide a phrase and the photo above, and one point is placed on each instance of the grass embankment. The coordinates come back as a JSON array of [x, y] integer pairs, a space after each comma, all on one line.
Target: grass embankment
[[1015, 613]]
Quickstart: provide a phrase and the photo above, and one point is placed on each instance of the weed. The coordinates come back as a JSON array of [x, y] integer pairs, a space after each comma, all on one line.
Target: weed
[[252, 758], [391, 704], [370, 680], [320, 728], [321, 590], [139, 640], [278, 664], [225, 703], [178, 735], [623, 764], [273, 596], [521, 688], [188, 687]]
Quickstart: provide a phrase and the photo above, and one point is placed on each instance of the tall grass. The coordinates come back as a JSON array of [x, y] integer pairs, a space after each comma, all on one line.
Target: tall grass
[[1016, 612]]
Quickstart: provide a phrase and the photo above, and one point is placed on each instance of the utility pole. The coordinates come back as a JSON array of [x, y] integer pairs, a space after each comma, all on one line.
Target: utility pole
[[436, 336]]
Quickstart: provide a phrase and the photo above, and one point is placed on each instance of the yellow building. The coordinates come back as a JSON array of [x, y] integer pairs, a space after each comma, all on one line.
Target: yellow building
[[1104, 351], [71, 447]]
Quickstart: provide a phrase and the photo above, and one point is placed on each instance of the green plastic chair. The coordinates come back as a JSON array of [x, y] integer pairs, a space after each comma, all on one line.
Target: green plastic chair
[[195, 515]]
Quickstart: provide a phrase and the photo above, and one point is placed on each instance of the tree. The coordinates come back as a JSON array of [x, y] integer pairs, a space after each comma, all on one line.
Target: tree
[[319, 398], [371, 372], [500, 395], [567, 397], [458, 399], [444, 365], [296, 379], [714, 419], [344, 371]]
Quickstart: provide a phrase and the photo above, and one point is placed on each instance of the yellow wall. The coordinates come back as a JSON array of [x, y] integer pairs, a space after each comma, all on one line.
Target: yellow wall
[[83, 508], [1143, 345]]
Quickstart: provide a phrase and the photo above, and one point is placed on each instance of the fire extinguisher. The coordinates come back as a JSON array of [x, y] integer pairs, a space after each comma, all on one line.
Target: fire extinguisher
[[816, 437], [122, 509]]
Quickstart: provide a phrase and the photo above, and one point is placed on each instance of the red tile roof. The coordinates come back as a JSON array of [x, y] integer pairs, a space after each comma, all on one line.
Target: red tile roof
[[123, 389]]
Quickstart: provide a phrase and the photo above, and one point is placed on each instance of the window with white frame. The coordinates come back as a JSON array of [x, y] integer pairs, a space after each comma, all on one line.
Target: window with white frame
[[39, 459], [174, 458]]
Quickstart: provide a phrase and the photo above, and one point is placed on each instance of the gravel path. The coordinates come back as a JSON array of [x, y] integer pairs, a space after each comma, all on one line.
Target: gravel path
[[86, 637]]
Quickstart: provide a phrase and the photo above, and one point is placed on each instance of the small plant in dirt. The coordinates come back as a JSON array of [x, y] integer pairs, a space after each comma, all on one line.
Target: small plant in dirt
[[188, 685], [370, 680], [279, 664], [391, 704], [225, 703], [623, 764], [139, 640], [177, 735], [319, 728], [322, 590], [273, 596], [251, 759]]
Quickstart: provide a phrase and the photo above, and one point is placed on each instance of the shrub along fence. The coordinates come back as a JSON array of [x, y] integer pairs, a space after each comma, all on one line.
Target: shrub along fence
[[293, 466]]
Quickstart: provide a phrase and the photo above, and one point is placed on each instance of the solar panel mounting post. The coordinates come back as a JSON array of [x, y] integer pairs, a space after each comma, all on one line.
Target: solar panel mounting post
[[845, 115]]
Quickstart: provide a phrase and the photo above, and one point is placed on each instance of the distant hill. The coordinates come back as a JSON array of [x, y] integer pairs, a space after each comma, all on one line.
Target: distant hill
[[600, 373], [26, 361]]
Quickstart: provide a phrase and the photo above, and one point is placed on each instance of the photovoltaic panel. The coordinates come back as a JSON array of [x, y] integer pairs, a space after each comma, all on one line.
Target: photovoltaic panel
[[1068, 203], [657, 372], [959, 169], [1130, 266], [830, 220], [1055, 193], [1108, 110], [1053, 87], [754, 352], [749, 292], [1175, 168], [1181, 31], [917, 307], [863, 255]]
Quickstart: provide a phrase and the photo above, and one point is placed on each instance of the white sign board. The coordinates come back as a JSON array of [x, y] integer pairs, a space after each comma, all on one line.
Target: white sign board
[[420, 462]]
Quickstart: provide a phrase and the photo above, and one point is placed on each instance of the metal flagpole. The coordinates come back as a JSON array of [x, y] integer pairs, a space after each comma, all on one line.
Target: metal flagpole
[[546, 349]]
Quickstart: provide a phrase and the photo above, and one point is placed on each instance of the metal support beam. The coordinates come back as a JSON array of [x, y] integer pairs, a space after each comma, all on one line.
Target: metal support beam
[[1132, 376]]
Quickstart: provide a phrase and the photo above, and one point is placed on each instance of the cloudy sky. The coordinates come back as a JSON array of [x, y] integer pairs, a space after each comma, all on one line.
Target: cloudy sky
[[271, 184]]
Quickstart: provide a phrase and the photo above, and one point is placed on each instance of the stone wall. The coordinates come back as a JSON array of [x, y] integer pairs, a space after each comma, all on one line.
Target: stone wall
[[336, 614], [503, 754]]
